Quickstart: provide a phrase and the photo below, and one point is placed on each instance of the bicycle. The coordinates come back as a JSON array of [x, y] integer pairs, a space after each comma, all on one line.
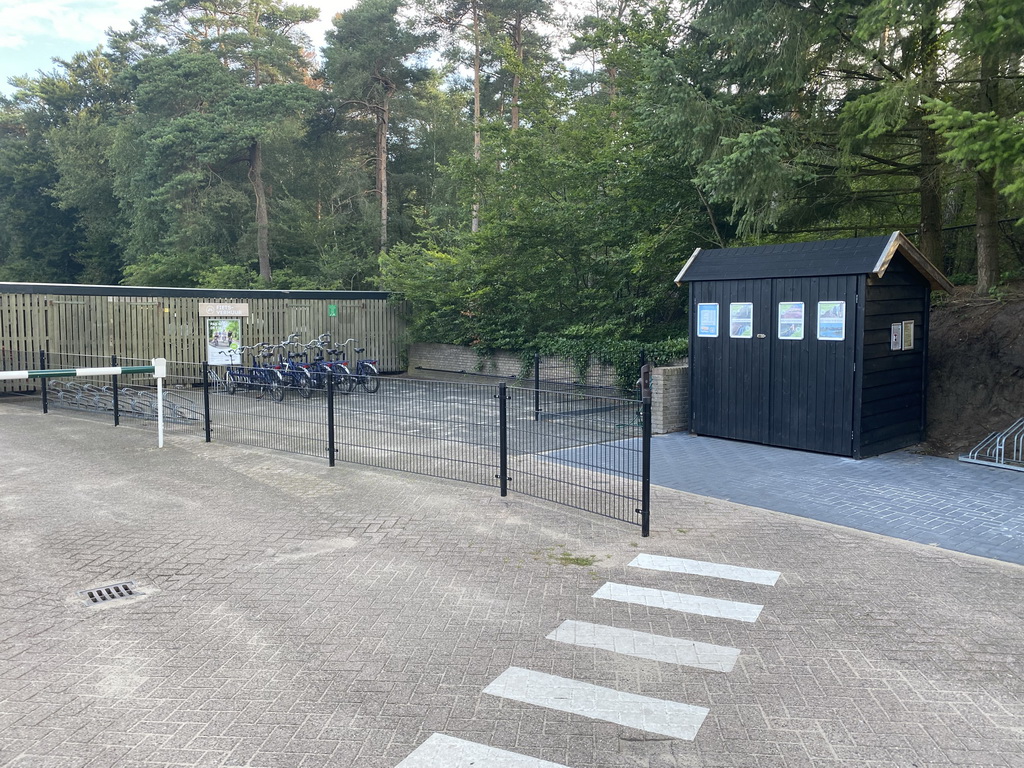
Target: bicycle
[[366, 374], [292, 374], [260, 378], [321, 369]]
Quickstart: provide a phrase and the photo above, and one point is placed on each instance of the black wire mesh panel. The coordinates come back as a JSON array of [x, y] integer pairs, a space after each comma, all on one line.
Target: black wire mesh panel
[[246, 411], [132, 397], [436, 428], [586, 452]]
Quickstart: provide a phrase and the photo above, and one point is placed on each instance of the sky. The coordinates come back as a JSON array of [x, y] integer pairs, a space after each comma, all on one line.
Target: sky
[[34, 32]]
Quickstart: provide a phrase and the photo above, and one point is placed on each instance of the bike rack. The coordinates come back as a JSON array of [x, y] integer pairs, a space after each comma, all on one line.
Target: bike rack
[[1001, 449], [158, 369]]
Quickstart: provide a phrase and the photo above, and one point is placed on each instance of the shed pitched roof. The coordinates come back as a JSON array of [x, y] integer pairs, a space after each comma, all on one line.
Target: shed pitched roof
[[849, 256]]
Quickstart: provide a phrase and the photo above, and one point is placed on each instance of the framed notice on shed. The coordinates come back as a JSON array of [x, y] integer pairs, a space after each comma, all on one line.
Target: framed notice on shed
[[791, 320], [908, 334], [741, 320], [831, 320], [707, 320]]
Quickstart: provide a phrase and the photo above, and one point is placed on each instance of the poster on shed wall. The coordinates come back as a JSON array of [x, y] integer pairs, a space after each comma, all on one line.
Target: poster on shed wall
[[741, 320], [791, 320], [223, 339], [831, 320], [707, 320]]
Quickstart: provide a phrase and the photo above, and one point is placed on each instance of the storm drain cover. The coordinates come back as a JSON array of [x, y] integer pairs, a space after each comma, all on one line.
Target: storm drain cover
[[106, 594]]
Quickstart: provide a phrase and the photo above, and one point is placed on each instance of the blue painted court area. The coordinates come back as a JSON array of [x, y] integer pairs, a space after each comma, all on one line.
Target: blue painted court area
[[963, 507]]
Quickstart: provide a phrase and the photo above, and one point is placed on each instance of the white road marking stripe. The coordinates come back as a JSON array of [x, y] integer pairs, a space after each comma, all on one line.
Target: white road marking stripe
[[643, 645], [676, 601], [700, 568], [668, 718], [440, 751]]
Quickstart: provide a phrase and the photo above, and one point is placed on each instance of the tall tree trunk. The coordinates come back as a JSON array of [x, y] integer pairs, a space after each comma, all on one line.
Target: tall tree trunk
[[930, 172], [520, 49], [930, 190], [383, 118], [262, 219], [476, 115], [986, 197]]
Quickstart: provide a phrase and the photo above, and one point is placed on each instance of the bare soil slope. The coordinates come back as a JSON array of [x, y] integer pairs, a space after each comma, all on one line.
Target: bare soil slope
[[976, 356]]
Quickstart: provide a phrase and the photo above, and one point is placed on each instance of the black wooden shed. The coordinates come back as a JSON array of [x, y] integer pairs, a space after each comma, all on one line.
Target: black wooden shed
[[819, 346]]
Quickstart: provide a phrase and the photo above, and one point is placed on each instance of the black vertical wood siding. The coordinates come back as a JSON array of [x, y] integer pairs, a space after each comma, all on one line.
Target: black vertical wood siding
[[790, 393], [854, 397], [729, 383], [893, 392], [812, 379]]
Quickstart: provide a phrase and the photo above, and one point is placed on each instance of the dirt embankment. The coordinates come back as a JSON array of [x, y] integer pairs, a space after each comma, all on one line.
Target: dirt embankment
[[976, 357]]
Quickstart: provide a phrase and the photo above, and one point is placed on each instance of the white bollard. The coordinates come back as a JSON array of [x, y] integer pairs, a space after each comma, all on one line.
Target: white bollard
[[159, 371]]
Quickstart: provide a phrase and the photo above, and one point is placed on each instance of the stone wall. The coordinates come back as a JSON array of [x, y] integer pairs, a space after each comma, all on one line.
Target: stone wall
[[431, 361], [426, 361]]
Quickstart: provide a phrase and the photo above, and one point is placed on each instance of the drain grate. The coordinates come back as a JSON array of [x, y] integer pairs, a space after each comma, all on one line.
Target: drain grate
[[108, 593]]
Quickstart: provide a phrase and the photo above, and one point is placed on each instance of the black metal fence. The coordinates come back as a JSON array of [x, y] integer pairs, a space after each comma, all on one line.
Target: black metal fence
[[567, 374], [583, 450]]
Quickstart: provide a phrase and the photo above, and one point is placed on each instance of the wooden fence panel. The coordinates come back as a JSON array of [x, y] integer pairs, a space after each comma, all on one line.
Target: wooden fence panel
[[82, 325], [22, 321]]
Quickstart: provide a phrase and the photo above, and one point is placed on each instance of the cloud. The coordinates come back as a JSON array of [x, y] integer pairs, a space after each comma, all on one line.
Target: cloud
[[82, 24], [78, 23], [34, 32]]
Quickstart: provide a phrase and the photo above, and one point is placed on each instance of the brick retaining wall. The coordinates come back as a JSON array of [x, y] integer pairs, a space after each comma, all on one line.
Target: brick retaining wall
[[670, 399]]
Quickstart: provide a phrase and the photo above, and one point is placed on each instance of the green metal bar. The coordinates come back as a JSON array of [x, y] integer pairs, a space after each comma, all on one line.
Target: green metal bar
[[53, 373]]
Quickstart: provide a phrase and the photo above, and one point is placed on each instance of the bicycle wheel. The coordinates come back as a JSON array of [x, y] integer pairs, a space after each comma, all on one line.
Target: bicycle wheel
[[303, 385], [276, 391], [230, 385], [344, 383], [369, 378]]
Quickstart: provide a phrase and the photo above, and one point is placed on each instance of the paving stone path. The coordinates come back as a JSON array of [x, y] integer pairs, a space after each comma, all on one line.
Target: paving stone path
[[292, 614], [941, 502], [955, 505]]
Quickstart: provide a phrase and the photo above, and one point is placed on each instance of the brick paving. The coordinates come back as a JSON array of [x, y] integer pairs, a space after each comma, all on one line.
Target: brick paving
[[951, 504], [299, 615]]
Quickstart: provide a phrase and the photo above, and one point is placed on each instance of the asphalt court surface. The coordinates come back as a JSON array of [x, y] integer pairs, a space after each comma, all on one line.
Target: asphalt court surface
[[296, 615]]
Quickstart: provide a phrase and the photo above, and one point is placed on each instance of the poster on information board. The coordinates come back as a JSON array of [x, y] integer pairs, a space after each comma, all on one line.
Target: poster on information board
[[223, 340]]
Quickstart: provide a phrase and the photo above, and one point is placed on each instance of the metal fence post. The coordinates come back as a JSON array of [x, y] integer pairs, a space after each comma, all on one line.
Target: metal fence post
[[330, 419], [645, 461], [117, 404], [536, 386], [503, 438], [42, 367], [206, 400]]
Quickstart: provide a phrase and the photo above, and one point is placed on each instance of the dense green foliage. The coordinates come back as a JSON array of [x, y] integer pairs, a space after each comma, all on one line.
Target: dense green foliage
[[525, 179]]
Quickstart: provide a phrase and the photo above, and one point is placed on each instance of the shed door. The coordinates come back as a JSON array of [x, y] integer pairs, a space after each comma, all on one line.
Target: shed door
[[812, 378], [732, 368], [788, 379]]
